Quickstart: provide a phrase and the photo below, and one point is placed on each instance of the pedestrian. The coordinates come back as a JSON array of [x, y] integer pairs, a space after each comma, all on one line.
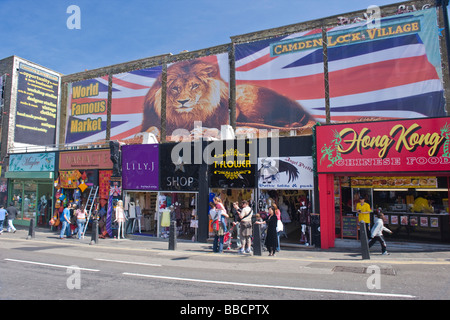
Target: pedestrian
[[219, 213], [377, 233], [237, 223], [271, 241], [363, 210], [246, 227], [12, 214], [81, 220], [73, 219], [3, 214], [65, 219], [279, 232]]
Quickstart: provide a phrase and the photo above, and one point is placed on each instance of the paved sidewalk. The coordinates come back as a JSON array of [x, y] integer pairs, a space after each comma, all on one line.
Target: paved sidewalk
[[345, 250]]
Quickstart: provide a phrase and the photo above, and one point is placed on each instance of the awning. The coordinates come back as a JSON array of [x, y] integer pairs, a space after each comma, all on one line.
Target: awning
[[29, 175]]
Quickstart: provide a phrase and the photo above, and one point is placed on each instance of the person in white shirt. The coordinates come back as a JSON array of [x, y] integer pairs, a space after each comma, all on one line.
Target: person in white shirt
[[377, 233]]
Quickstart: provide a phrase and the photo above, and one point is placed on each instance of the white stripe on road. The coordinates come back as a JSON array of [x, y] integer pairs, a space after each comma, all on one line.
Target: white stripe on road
[[390, 295], [131, 262], [52, 265]]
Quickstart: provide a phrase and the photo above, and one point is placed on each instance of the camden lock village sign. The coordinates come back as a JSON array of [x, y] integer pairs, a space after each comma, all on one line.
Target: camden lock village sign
[[403, 145]]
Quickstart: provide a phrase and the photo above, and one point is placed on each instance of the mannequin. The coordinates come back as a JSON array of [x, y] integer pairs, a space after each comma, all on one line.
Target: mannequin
[[138, 216], [120, 218]]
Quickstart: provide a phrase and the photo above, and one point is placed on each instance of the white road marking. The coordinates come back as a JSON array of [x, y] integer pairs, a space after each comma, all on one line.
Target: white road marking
[[377, 294], [50, 265], [130, 262]]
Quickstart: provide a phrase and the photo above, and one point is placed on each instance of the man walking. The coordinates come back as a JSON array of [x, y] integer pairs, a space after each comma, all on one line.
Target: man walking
[[12, 214], [377, 233], [65, 219], [2, 217]]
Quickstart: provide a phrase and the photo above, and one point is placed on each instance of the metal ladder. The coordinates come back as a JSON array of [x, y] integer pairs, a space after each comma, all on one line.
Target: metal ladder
[[89, 205]]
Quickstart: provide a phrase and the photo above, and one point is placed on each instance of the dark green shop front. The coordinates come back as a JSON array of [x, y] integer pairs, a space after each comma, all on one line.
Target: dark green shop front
[[30, 187]]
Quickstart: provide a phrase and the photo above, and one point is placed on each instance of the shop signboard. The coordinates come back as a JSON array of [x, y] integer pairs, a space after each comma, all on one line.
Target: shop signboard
[[179, 172], [32, 162], [285, 173], [92, 159], [413, 145], [140, 167], [233, 164]]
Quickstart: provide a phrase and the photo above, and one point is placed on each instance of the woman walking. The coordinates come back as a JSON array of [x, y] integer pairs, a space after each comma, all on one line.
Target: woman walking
[[81, 220]]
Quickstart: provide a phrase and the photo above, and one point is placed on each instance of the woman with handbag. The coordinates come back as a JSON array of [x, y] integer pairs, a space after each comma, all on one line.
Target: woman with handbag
[[246, 227], [280, 228], [220, 215], [81, 220], [271, 237]]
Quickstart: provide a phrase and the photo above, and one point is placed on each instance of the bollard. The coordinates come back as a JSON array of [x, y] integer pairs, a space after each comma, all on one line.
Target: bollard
[[173, 235], [94, 233], [257, 245], [31, 230], [364, 240]]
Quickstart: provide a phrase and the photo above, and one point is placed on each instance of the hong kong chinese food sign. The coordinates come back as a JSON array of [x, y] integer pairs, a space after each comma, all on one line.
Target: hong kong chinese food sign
[[400, 145]]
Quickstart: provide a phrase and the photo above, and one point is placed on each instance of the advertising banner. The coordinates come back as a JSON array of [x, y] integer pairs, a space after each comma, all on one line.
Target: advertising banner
[[374, 74], [285, 173], [197, 91], [410, 145], [37, 105], [140, 167], [179, 172], [393, 71], [87, 111], [284, 87], [129, 93]]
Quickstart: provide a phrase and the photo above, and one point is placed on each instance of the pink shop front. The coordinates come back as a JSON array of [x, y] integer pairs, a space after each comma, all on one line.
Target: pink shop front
[[401, 167]]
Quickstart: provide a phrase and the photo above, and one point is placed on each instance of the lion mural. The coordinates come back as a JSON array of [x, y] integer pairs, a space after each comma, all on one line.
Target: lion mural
[[196, 92]]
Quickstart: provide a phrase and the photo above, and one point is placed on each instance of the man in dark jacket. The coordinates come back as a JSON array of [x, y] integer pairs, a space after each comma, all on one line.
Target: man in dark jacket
[[12, 213]]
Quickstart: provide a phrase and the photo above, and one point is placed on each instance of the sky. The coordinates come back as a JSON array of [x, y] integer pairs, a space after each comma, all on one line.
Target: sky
[[117, 31]]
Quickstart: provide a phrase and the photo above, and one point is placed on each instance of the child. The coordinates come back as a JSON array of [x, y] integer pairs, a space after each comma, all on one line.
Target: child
[[377, 233]]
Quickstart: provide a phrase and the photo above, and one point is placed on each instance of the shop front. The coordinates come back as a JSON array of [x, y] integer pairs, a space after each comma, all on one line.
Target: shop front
[[140, 184], [400, 167], [84, 179], [232, 173], [30, 179], [179, 185], [288, 182]]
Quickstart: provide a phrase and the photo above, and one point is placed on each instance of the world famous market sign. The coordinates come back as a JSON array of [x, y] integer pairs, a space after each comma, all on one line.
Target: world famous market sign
[[400, 145]]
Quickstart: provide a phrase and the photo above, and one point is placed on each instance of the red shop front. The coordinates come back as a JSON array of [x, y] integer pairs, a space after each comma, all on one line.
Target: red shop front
[[400, 166]]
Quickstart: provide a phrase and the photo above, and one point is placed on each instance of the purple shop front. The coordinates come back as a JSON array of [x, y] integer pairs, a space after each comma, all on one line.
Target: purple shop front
[[140, 167]]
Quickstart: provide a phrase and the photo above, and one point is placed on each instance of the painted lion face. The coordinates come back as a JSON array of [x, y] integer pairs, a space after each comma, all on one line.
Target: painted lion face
[[193, 88]]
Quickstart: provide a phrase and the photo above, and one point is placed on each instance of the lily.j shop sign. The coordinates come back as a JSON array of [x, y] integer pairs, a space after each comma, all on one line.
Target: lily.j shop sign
[[400, 145]]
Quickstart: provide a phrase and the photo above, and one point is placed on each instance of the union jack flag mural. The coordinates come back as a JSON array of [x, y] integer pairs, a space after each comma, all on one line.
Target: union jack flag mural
[[389, 72]]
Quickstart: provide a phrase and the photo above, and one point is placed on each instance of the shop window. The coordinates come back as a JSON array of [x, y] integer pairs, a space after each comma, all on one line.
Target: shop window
[[29, 200], [17, 191]]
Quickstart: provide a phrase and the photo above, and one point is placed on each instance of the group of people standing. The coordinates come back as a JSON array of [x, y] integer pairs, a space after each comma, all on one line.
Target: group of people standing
[[69, 214], [243, 222]]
